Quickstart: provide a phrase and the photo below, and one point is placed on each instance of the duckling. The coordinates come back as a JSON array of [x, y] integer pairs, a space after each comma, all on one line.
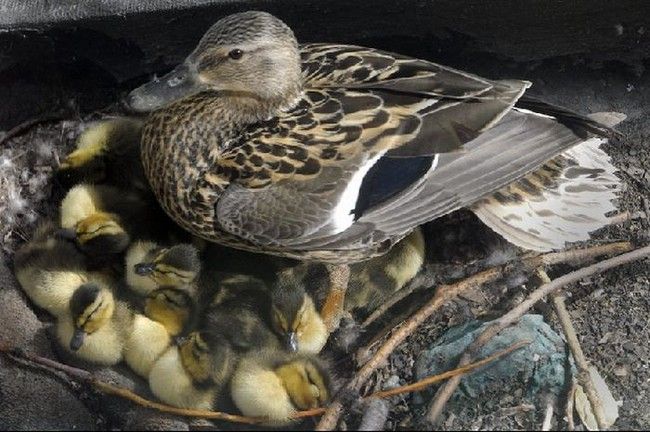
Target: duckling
[[102, 220], [374, 280], [150, 266], [103, 330], [293, 313], [236, 313], [170, 306], [50, 269], [96, 327], [107, 152], [192, 374], [276, 384]]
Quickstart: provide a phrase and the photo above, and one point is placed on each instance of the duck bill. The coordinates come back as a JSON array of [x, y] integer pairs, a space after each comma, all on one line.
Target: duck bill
[[177, 84], [77, 339], [292, 342]]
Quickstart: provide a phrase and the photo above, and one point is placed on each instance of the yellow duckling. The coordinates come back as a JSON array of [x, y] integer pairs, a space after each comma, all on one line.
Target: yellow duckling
[[276, 384], [102, 220], [293, 313], [103, 330], [193, 374], [107, 152], [170, 306], [50, 269], [373, 281], [236, 313], [150, 266]]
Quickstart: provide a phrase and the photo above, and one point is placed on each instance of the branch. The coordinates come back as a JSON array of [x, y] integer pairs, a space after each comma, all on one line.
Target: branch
[[445, 392], [422, 384], [584, 377]]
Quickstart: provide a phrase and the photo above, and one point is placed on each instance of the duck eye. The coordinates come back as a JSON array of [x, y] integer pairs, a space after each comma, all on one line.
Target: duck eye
[[236, 54]]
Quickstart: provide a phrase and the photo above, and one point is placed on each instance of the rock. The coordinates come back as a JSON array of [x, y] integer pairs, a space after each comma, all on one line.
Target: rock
[[541, 364]]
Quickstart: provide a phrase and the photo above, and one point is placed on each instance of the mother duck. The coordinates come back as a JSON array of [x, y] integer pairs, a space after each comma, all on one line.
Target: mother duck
[[335, 152]]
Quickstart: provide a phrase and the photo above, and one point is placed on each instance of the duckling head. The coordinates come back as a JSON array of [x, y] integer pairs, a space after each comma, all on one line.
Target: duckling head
[[171, 307], [91, 308], [306, 381], [176, 266], [203, 354], [98, 234], [295, 318], [250, 54]]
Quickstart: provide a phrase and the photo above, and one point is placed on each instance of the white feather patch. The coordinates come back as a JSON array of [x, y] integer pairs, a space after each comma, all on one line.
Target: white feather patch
[[342, 216]]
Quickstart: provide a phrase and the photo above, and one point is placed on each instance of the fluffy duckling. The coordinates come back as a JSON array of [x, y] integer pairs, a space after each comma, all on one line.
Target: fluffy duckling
[[102, 220], [373, 281], [107, 152], [50, 269], [276, 384], [293, 313], [192, 374], [103, 330], [96, 327], [150, 266], [170, 306], [236, 313]]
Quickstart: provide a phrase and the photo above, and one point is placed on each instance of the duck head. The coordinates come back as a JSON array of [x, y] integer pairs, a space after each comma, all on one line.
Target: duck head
[[91, 307], [252, 55]]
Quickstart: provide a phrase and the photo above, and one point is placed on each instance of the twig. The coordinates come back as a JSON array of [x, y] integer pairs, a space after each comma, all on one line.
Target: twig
[[569, 406], [530, 261], [28, 124], [420, 385], [442, 295], [548, 416], [124, 393], [445, 392], [584, 377]]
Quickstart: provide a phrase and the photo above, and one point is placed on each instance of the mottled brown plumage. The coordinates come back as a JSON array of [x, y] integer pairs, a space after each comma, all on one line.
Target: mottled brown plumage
[[332, 152]]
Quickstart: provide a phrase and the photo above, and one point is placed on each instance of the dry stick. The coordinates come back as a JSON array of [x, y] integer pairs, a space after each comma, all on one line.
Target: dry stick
[[107, 388], [584, 377], [111, 389], [569, 406], [531, 261], [445, 392], [417, 386], [445, 293]]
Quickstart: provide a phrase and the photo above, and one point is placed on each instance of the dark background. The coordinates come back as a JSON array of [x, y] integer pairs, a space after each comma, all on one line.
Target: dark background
[[74, 57]]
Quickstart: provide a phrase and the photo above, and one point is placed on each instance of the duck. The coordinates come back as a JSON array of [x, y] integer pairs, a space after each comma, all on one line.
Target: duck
[[50, 269], [149, 266], [294, 316], [259, 143], [237, 313], [103, 330], [107, 152], [195, 373], [276, 384]]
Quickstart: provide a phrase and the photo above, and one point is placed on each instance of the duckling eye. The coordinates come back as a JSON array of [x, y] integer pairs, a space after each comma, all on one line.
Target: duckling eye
[[236, 54]]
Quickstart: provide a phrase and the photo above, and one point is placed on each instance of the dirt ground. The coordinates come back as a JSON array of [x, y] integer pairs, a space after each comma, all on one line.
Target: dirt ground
[[610, 311]]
